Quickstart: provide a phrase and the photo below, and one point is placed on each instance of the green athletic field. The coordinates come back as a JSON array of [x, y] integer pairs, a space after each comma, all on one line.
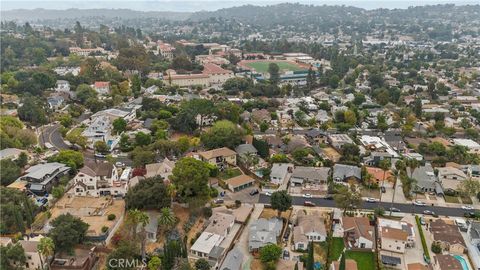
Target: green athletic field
[[262, 66]]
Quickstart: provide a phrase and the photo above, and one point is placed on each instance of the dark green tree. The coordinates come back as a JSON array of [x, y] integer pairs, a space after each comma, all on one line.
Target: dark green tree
[[281, 201], [67, 232]]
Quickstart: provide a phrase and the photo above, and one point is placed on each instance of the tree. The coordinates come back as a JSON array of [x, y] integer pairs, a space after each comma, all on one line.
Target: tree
[[222, 134], [142, 139], [135, 218], [202, 264], [342, 265], [264, 126], [382, 122], [84, 92], [71, 158], [67, 232], [142, 156], [347, 198], [22, 160], [12, 256], [119, 125], [350, 117], [16, 209], [469, 187], [270, 253], [136, 85], [150, 193], [436, 248], [32, 111], [154, 264], [281, 201], [385, 165], [167, 219], [279, 158], [101, 147], [57, 192], [274, 72], [190, 176], [311, 79], [10, 171], [46, 248], [417, 107], [126, 250]]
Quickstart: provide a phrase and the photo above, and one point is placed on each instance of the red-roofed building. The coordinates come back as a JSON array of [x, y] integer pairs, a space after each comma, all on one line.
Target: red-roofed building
[[102, 88], [217, 75]]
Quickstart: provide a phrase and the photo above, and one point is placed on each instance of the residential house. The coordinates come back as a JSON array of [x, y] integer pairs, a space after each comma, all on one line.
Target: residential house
[[83, 258], [98, 179], [163, 169], [344, 173], [55, 102], [358, 233], [212, 244], [233, 260], [309, 228], [240, 182], [472, 146], [261, 115], [447, 236], [33, 260], [451, 177], [446, 262], [426, 179], [205, 120], [338, 140], [220, 157], [322, 116], [10, 153], [99, 129], [280, 172], [317, 136], [474, 233], [313, 175], [395, 235], [42, 177], [244, 150], [102, 88], [151, 228], [62, 86], [378, 175], [263, 232]]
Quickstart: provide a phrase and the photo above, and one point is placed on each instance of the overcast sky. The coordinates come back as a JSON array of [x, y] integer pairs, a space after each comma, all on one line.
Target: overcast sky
[[172, 5]]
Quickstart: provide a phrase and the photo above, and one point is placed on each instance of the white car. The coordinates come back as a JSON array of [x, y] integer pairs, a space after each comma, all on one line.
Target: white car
[[371, 200], [467, 207], [268, 193], [307, 195], [419, 203]]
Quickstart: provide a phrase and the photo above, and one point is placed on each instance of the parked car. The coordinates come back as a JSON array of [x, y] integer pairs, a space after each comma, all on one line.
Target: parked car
[[422, 221], [467, 207], [371, 200], [119, 164], [286, 254], [268, 193], [393, 209], [254, 192], [329, 197], [218, 201], [98, 155], [308, 203], [307, 195], [383, 189]]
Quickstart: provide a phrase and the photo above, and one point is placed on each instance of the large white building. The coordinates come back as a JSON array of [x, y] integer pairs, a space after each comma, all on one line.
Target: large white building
[[97, 179]]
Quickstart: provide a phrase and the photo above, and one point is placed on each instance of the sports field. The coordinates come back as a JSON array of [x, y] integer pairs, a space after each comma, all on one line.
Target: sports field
[[262, 66]]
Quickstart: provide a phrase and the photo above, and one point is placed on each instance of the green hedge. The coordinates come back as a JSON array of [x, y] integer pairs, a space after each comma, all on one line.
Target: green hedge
[[422, 236]]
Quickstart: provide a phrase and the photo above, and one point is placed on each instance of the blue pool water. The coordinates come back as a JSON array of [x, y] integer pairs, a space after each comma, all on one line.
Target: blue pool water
[[462, 261]]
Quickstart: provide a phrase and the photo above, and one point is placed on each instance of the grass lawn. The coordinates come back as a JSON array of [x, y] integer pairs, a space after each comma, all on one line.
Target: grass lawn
[[262, 66], [451, 199], [365, 260], [229, 173], [337, 248]]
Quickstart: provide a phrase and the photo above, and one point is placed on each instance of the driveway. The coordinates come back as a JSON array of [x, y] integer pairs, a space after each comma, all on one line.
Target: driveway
[[414, 254], [243, 239], [242, 195]]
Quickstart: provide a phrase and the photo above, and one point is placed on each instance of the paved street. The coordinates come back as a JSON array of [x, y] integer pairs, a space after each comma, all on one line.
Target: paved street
[[51, 134], [403, 207]]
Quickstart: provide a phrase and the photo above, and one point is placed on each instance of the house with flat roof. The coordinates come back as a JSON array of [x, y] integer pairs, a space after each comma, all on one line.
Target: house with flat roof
[[338, 140], [263, 232], [42, 177]]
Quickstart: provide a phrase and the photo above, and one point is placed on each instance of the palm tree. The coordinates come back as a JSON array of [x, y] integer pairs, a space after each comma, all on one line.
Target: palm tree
[[167, 219], [45, 248], [172, 192], [143, 219], [396, 174], [385, 165], [412, 164]]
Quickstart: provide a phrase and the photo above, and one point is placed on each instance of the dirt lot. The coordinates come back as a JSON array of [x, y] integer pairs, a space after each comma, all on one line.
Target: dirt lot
[[331, 154], [269, 213]]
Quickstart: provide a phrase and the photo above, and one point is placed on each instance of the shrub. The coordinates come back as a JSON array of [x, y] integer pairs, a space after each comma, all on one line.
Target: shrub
[[436, 248], [213, 192], [207, 212], [422, 237], [104, 229], [238, 203], [111, 217]]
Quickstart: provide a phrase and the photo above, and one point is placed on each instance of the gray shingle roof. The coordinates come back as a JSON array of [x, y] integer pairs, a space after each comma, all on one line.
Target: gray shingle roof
[[342, 171]]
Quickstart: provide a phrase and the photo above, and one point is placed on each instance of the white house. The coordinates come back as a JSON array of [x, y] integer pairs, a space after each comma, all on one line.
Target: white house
[[96, 179]]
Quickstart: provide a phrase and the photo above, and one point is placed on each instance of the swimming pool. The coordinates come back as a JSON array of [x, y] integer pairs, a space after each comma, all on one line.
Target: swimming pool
[[462, 261]]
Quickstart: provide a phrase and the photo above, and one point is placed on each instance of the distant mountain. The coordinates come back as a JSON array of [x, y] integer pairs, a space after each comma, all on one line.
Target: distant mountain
[[74, 13]]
